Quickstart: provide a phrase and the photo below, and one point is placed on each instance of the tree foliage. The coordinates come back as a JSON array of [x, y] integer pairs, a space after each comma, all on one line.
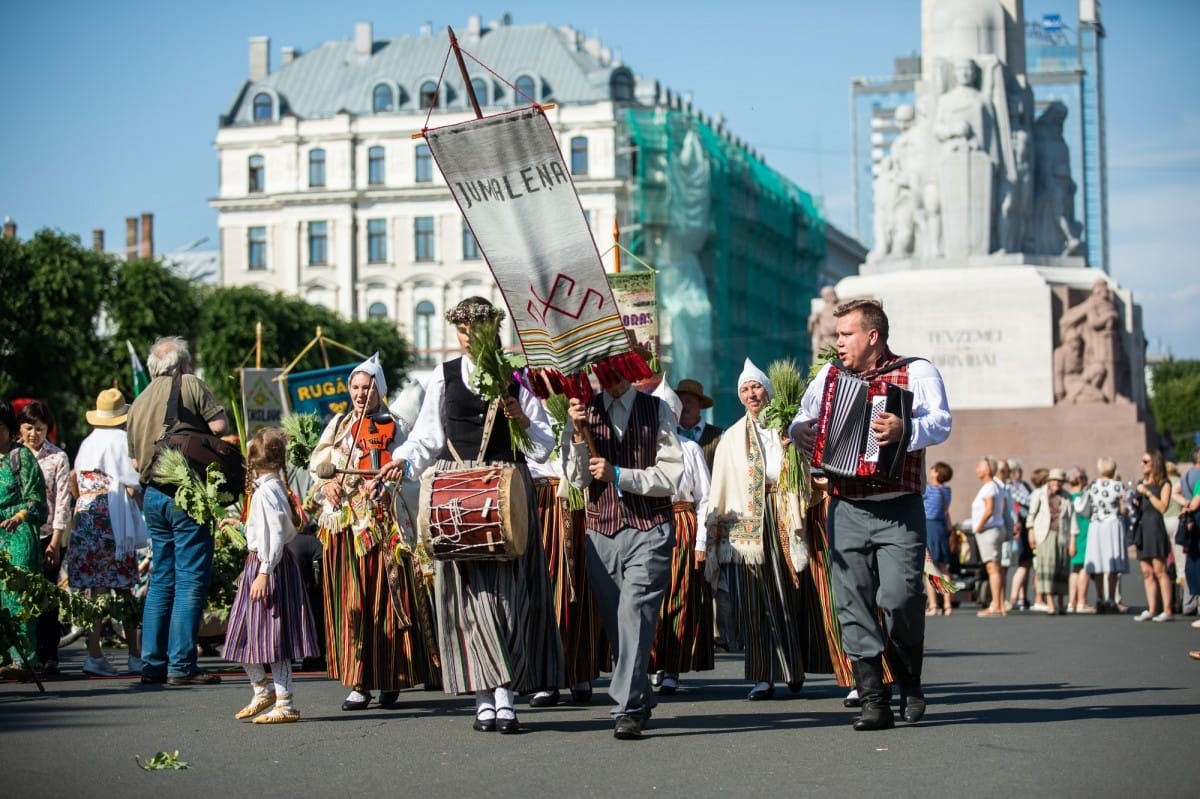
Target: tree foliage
[[69, 310], [1175, 401]]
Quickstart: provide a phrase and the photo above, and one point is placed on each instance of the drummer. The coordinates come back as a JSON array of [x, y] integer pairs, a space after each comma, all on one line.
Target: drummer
[[496, 630]]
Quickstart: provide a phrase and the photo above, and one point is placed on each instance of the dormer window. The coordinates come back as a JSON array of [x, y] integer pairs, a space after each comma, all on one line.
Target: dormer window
[[382, 98], [479, 87], [621, 86], [264, 107], [526, 89], [429, 98]]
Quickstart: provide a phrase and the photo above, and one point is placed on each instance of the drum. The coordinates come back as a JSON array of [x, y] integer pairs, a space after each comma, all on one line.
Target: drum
[[474, 513]]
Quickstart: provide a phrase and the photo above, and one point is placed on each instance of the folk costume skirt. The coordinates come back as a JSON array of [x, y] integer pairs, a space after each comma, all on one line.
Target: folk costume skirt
[[563, 533], [495, 619], [684, 641], [1053, 564], [376, 630], [281, 628]]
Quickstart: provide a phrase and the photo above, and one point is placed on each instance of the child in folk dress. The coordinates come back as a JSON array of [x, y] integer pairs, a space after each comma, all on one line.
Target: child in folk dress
[[270, 621]]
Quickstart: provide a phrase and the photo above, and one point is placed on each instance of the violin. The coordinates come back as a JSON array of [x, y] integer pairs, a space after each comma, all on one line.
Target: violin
[[373, 438]]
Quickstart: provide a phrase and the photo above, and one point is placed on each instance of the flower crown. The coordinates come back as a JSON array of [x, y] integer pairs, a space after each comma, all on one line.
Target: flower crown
[[467, 313]]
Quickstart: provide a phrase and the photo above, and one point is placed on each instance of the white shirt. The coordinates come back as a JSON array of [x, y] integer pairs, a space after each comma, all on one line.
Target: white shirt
[[660, 480], [428, 436], [269, 523], [772, 451], [694, 485]]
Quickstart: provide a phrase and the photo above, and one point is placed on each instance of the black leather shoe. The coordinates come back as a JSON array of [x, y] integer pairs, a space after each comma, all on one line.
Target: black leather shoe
[[912, 706], [796, 687], [153, 679], [388, 698], [357, 704], [485, 722], [628, 727], [581, 696], [852, 701], [543, 699], [759, 694], [719, 643], [507, 726]]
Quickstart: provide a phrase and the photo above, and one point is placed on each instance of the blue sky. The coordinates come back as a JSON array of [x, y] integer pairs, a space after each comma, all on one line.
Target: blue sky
[[111, 108]]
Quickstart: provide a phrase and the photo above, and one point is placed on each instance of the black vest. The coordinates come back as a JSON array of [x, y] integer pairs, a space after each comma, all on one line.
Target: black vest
[[465, 414]]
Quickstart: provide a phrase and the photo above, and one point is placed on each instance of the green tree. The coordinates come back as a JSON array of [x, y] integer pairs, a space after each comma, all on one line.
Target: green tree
[[148, 301], [1175, 401]]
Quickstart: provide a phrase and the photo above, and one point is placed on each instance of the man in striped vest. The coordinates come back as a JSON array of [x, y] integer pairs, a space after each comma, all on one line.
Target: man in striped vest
[[877, 530], [622, 450]]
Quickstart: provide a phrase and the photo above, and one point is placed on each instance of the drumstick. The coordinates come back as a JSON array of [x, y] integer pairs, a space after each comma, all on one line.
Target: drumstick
[[327, 471]]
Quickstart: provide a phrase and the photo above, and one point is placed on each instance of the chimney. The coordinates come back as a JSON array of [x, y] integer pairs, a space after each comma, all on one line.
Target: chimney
[[147, 235], [98, 239], [287, 54], [474, 25], [131, 237], [260, 58], [10, 228], [364, 39]]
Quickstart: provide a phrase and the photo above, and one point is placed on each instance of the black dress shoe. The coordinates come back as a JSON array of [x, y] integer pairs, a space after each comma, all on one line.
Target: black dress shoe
[[628, 727], [154, 679], [796, 687], [485, 723], [912, 706], [357, 704], [669, 686], [388, 698], [581, 696], [506, 725], [852, 701], [544, 699], [759, 694], [719, 643]]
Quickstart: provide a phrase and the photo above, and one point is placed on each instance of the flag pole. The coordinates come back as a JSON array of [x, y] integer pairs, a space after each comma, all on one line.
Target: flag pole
[[462, 67], [616, 247]]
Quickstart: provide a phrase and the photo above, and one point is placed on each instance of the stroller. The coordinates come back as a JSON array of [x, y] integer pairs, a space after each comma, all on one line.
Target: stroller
[[966, 567]]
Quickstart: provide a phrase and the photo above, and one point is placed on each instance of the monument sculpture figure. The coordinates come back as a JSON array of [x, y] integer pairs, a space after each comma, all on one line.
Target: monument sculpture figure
[[1055, 229], [1016, 192], [1092, 355], [822, 324]]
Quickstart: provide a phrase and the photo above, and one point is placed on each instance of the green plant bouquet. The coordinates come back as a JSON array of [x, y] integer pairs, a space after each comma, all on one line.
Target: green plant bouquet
[[556, 406], [789, 385], [494, 372], [303, 431], [34, 595]]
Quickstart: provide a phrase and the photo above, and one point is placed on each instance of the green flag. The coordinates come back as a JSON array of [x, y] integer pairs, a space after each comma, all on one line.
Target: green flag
[[140, 378]]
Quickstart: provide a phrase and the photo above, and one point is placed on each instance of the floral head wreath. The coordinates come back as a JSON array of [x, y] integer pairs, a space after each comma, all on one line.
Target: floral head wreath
[[467, 313]]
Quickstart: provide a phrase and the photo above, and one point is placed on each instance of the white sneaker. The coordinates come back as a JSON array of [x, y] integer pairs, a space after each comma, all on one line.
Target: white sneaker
[[1038, 607], [1164, 616], [135, 665], [1143, 616], [99, 667]]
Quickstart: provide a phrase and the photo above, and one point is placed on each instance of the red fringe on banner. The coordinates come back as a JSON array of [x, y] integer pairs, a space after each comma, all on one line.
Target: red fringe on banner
[[610, 371]]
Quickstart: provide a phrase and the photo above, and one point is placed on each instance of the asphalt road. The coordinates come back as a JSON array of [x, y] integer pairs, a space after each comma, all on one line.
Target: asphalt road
[[1071, 706]]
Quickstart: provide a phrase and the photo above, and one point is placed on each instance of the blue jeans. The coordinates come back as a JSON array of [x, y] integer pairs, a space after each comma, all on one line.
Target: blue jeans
[[179, 578]]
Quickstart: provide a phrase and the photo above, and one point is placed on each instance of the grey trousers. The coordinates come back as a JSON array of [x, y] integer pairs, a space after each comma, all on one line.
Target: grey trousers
[[629, 574], [878, 553]]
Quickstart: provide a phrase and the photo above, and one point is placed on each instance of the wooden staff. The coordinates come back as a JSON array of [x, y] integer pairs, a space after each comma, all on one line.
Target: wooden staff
[[462, 67]]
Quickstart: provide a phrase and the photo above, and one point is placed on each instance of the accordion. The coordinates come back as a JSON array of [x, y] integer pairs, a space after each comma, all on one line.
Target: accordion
[[845, 446]]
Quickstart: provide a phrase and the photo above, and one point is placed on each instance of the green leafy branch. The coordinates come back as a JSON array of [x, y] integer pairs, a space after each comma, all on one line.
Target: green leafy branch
[[204, 501], [789, 385], [493, 373], [556, 406], [162, 761]]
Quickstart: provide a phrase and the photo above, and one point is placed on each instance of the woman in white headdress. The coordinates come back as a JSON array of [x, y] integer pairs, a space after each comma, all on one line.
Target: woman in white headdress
[[684, 641], [377, 615], [742, 515]]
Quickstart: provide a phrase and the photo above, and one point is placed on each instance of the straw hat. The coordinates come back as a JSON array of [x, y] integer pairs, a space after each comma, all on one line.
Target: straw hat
[[694, 387], [111, 409], [1057, 474]]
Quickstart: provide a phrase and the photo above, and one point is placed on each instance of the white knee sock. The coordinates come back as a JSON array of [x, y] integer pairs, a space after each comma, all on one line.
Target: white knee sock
[[281, 673], [504, 697]]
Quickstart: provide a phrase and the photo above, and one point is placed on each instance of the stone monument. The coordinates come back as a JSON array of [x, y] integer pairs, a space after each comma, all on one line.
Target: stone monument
[[979, 259]]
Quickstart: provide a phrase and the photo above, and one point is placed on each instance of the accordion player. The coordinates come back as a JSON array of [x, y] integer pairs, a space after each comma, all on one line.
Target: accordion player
[[845, 446]]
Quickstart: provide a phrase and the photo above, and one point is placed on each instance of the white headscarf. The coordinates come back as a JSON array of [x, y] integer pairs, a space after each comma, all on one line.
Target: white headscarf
[[374, 368], [663, 392], [750, 372]]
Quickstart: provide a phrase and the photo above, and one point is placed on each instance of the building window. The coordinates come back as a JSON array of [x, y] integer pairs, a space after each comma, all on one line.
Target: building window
[[264, 108], [621, 86], [316, 168], [423, 333], [256, 242], [377, 241], [376, 166], [470, 246], [318, 243], [256, 177], [423, 238], [429, 98], [579, 155], [526, 89], [381, 98], [377, 311], [479, 87], [424, 165]]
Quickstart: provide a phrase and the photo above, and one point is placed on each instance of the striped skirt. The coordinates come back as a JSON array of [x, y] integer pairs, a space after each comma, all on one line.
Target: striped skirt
[[1052, 563], [684, 641], [563, 531], [280, 628], [376, 624], [495, 620]]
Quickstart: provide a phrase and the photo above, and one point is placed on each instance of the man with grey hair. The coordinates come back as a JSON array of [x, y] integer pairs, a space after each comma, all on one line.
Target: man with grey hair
[[182, 548]]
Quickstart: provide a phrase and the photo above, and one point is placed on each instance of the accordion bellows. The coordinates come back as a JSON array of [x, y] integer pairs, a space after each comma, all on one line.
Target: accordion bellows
[[845, 446]]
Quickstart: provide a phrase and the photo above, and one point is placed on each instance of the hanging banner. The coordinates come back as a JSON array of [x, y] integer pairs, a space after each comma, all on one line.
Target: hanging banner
[[638, 304], [262, 405], [516, 193], [325, 392]]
